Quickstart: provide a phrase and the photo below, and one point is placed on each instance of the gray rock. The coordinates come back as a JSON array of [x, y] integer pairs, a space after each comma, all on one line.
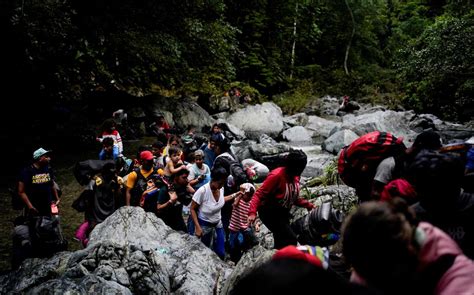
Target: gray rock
[[249, 261], [265, 139], [185, 111], [130, 252], [300, 119], [329, 105], [338, 140], [238, 133], [122, 276], [317, 164], [258, 119], [298, 134], [321, 127], [242, 149], [389, 121]]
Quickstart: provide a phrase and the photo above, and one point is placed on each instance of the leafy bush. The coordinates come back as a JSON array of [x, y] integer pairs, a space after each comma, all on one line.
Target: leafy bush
[[294, 100], [437, 69]]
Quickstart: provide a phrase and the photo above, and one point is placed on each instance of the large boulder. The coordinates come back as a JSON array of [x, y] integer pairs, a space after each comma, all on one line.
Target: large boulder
[[329, 105], [339, 140], [130, 252], [298, 134], [316, 164], [236, 132], [252, 259], [396, 123], [185, 111], [255, 120], [300, 119], [321, 127], [271, 155]]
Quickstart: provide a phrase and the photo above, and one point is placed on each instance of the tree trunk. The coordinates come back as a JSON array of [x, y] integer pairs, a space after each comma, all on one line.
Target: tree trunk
[[293, 47], [350, 40]]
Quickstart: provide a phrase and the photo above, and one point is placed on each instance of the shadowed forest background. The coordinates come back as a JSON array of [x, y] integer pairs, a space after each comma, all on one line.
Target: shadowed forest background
[[67, 65]]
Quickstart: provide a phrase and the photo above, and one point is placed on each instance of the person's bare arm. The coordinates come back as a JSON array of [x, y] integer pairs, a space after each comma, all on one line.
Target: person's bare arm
[[194, 209]]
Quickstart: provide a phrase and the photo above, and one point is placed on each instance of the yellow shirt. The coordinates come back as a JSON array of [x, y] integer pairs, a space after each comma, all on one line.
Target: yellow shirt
[[132, 177]]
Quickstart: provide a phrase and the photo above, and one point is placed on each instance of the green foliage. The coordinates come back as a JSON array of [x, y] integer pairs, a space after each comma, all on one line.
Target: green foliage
[[438, 68], [74, 48], [286, 51], [330, 176], [294, 100]]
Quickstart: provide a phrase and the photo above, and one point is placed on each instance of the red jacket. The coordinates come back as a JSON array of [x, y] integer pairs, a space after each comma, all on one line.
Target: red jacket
[[278, 189]]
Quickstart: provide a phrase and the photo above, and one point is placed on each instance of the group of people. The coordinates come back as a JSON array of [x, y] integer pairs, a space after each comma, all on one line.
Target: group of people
[[202, 191], [412, 232]]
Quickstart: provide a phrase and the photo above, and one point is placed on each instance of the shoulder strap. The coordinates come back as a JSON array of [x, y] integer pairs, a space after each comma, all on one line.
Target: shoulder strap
[[433, 273], [139, 173]]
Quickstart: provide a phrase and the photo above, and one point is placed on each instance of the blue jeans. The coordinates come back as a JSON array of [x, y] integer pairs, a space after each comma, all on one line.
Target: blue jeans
[[240, 242], [213, 236]]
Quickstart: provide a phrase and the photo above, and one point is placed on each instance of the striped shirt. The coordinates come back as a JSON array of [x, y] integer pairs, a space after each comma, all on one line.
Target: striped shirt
[[239, 217]]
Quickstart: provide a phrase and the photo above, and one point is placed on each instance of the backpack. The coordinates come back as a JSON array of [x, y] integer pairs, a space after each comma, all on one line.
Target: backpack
[[358, 161], [47, 235], [85, 170], [319, 227], [140, 186], [149, 197], [237, 173]]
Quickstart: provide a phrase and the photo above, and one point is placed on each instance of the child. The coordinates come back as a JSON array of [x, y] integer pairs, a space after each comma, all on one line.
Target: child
[[241, 236], [109, 150], [172, 161], [109, 130]]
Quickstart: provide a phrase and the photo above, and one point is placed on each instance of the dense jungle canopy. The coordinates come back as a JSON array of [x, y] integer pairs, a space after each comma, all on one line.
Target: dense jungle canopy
[[416, 54]]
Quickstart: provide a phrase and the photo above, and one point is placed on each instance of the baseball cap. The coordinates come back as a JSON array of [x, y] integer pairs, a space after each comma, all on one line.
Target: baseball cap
[[39, 153], [146, 156]]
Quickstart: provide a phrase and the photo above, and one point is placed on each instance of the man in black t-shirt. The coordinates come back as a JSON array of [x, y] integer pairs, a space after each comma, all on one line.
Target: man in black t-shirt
[[36, 185]]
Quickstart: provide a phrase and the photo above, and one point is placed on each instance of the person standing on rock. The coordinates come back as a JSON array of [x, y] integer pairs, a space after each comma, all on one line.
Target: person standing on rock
[[206, 211], [278, 193]]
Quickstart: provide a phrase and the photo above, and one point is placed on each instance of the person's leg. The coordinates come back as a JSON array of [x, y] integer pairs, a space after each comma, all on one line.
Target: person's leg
[[180, 225], [191, 229], [234, 246], [277, 221], [219, 242], [207, 234]]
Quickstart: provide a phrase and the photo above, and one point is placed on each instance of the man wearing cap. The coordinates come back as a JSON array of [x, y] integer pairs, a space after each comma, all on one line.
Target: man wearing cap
[[36, 185], [137, 179]]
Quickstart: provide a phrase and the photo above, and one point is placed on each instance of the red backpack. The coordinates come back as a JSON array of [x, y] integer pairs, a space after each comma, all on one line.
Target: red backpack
[[358, 161]]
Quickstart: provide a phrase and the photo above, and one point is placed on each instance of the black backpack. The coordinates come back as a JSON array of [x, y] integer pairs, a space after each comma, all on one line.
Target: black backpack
[[85, 170], [319, 227], [140, 186], [232, 166], [47, 236]]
